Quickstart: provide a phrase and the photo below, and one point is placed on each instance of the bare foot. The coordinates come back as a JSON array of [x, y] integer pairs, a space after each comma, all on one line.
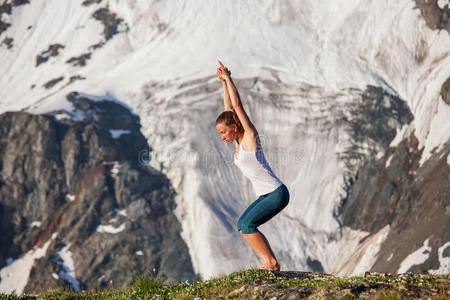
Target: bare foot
[[272, 267]]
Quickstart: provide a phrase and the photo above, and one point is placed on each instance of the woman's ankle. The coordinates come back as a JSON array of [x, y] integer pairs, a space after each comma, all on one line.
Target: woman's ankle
[[271, 261], [270, 266]]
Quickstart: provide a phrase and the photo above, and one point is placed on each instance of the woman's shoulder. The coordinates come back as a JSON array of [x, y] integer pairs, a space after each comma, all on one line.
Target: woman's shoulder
[[251, 140]]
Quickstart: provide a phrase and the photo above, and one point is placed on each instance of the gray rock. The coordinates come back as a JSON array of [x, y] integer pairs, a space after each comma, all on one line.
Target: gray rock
[[109, 20], [73, 174], [412, 199], [445, 91], [435, 17], [53, 50]]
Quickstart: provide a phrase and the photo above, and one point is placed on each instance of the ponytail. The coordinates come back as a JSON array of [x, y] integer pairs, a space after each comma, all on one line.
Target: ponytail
[[229, 118]]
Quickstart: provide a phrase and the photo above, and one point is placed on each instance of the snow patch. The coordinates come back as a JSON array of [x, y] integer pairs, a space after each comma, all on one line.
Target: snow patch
[[110, 229], [115, 169], [107, 97], [122, 212], [444, 262], [116, 133], [77, 115], [439, 132], [380, 154], [62, 116], [401, 133], [14, 277], [390, 257], [68, 267], [448, 159], [116, 166], [139, 252], [416, 258], [36, 224], [359, 261], [443, 3], [388, 161], [70, 197], [54, 275]]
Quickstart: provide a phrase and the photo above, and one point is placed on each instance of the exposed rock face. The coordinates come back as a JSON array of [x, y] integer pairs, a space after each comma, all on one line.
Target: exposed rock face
[[53, 50], [109, 20], [419, 199], [89, 2], [90, 186], [436, 17], [6, 8], [8, 42], [53, 82], [445, 91], [394, 189], [412, 199], [80, 60], [373, 125]]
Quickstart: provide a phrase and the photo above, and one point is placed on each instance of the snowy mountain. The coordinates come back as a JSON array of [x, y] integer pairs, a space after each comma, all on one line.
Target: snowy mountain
[[351, 99]]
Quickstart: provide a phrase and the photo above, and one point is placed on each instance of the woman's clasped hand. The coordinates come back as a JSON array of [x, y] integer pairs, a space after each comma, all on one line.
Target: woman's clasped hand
[[222, 72]]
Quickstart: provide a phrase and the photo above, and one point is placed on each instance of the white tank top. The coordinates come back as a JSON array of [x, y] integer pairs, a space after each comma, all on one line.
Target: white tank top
[[254, 166]]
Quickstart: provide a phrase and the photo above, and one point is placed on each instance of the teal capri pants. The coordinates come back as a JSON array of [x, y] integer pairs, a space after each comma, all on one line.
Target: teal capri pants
[[263, 209]]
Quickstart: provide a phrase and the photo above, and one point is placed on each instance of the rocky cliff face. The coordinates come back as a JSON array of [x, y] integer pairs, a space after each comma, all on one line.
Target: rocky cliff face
[[80, 180], [402, 202], [435, 13], [412, 199]]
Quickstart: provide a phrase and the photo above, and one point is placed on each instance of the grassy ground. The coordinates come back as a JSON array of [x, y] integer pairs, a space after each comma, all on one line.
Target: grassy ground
[[259, 284]]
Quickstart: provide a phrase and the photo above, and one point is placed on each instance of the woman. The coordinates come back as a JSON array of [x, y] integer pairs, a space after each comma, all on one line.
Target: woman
[[234, 125]]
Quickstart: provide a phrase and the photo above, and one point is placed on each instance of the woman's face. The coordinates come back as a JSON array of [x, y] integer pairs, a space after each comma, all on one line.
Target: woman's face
[[226, 133]]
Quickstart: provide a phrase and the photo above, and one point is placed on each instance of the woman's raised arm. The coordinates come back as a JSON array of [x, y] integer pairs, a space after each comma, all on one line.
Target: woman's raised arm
[[226, 96], [236, 103]]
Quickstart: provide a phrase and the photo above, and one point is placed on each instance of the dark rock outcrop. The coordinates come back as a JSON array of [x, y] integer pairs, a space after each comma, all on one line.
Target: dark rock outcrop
[[109, 20], [53, 82], [112, 25], [79, 60], [89, 2], [79, 174], [75, 78], [6, 8], [373, 125], [445, 91], [8, 42], [417, 205], [315, 265], [412, 198], [53, 50], [437, 18]]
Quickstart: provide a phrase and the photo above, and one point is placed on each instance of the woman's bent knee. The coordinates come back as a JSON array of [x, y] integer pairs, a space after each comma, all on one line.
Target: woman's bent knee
[[249, 229], [245, 227]]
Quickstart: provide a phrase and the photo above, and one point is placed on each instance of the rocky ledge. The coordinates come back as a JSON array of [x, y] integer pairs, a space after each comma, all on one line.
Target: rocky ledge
[[260, 284], [298, 285]]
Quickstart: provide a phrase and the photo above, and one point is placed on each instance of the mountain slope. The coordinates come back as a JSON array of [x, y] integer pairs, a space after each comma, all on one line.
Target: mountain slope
[[70, 186], [305, 71]]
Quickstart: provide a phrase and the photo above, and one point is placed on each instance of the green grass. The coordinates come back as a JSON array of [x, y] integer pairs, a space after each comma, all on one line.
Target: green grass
[[259, 283]]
